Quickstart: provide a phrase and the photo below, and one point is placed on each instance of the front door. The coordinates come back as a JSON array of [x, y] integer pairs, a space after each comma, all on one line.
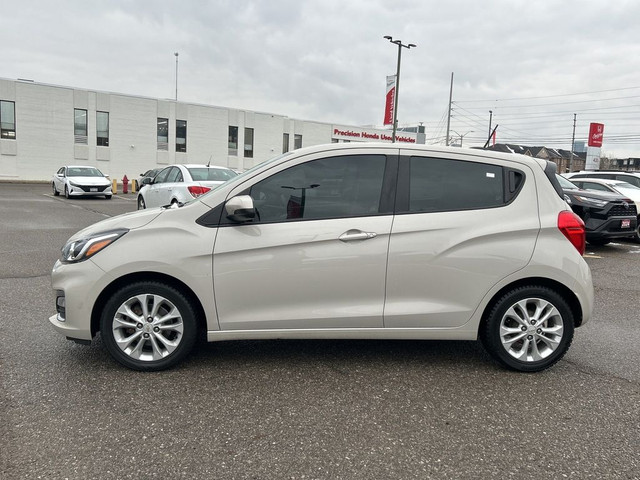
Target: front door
[[315, 256]]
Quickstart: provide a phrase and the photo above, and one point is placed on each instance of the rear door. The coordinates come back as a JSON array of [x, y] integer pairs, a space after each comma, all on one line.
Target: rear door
[[316, 254], [462, 224]]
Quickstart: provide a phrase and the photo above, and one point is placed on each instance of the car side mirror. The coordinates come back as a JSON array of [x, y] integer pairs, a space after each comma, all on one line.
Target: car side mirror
[[240, 209], [146, 181]]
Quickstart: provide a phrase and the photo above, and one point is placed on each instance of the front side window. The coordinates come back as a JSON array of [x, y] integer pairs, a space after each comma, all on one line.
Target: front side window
[[80, 125], [7, 119], [181, 135], [438, 185], [233, 140], [162, 175], [346, 186], [163, 133], [102, 129], [248, 142]]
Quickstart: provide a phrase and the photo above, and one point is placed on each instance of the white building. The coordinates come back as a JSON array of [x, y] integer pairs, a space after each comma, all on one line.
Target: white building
[[43, 127]]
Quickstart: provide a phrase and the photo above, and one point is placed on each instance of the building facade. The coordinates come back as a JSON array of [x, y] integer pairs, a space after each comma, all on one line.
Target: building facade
[[46, 126]]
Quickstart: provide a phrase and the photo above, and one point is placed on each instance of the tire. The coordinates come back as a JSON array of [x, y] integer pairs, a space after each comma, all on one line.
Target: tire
[[148, 326], [55, 190], [66, 191], [141, 204], [636, 236], [528, 329], [599, 242], [108, 197]]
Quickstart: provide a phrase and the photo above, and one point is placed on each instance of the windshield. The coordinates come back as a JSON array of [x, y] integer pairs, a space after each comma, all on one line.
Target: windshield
[[84, 172], [204, 174], [566, 184]]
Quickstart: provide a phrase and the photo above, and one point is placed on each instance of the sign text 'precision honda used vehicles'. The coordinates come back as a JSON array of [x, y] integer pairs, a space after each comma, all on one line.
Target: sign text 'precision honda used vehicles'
[[359, 241]]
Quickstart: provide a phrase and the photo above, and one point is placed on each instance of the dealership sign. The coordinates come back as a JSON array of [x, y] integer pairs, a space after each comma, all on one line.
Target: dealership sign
[[369, 136], [390, 100], [596, 134]]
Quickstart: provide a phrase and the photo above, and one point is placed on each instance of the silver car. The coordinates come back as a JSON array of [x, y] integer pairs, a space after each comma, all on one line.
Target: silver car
[[357, 241], [179, 184], [81, 181]]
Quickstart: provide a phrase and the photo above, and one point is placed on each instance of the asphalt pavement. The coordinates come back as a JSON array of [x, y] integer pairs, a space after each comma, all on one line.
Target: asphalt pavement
[[303, 409]]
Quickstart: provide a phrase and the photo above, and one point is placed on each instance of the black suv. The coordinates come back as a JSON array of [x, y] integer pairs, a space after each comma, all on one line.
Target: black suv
[[606, 215]]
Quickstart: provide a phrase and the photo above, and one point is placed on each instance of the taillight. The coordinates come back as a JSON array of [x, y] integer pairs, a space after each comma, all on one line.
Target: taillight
[[197, 190], [572, 226]]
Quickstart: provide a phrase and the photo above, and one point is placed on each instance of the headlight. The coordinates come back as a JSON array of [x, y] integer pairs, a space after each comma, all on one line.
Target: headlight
[[592, 201], [84, 248], [73, 184]]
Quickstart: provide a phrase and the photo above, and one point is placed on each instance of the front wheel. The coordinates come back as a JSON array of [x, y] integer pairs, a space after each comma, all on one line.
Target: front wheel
[[148, 326], [66, 192], [528, 329], [141, 204], [636, 236], [55, 190]]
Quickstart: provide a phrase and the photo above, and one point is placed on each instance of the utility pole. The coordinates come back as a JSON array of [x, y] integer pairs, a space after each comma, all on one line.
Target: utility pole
[[176, 54], [449, 116], [573, 139], [395, 102]]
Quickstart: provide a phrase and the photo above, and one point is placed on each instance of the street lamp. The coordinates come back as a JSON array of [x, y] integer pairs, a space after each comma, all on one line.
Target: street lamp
[[395, 103], [462, 136], [176, 54]]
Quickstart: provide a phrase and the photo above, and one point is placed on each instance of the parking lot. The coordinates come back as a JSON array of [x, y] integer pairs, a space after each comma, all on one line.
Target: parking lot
[[303, 409]]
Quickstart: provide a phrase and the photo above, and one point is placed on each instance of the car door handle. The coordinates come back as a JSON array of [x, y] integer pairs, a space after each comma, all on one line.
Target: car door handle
[[355, 235]]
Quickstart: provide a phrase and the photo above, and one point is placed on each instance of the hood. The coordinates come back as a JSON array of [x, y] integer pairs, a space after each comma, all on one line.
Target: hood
[[132, 220], [89, 180], [606, 196]]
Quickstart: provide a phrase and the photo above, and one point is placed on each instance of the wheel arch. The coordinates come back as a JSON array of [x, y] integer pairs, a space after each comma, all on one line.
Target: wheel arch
[[563, 290], [117, 284]]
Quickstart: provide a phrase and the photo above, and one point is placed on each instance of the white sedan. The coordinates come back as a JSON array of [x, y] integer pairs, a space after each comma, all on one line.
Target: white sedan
[[80, 181], [179, 184]]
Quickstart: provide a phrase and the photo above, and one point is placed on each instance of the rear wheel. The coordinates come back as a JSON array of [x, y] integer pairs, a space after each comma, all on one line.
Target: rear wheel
[[528, 329], [148, 326]]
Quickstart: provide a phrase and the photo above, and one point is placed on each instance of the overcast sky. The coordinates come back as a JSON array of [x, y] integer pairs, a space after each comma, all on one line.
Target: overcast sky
[[327, 61]]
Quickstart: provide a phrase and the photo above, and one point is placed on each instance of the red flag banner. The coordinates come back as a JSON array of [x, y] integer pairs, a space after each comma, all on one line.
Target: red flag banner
[[596, 134], [390, 100]]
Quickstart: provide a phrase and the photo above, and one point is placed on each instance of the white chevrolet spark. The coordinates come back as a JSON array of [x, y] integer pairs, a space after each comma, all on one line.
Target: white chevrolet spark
[[359, 241]]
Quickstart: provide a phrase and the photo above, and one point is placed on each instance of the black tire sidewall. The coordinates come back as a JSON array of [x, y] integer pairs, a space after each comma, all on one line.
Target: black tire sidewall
[[174, 296], [141, 203], [490, 331]]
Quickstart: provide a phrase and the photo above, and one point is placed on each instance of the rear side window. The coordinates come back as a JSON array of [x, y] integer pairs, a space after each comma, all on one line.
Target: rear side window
[[437, 185], [345, 186], [204, 174]]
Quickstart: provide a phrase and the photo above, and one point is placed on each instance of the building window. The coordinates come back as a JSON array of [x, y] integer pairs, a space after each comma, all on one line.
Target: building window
[[7, 119], [80, 126], [285, 142], [181, 135], [102, 128], [248, 142], [233, 140], [297, 141], [163, 134]]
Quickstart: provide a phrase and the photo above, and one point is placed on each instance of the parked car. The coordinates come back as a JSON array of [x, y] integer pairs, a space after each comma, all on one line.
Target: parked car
[[79, 181], [150, 174], [615, 186], [357, 241], [606, 215], [179, 184], [630, 177]]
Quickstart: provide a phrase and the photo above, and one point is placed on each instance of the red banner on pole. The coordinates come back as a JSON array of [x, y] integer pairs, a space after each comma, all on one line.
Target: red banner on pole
[[596, 134], [390, 100]]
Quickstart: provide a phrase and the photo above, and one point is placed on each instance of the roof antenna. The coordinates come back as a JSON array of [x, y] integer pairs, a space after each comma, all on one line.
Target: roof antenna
[[209, 163]]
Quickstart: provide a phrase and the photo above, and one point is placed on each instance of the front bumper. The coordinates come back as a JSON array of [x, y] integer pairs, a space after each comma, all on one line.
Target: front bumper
[[610, 228], [80, 287], [87, 190]]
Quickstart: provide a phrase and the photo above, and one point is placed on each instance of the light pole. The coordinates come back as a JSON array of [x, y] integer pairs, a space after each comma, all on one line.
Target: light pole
[[395, 102], [462, 136], [176, 54]]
